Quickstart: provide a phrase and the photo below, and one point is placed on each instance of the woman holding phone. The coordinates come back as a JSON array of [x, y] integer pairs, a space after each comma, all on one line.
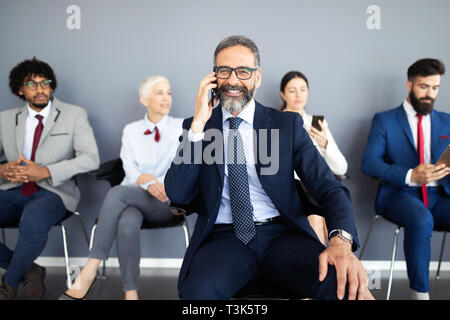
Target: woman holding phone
[[294, 91]]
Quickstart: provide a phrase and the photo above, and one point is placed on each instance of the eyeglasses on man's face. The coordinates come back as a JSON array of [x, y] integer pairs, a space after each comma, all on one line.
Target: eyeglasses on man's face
[[242, 73], [32, 85]]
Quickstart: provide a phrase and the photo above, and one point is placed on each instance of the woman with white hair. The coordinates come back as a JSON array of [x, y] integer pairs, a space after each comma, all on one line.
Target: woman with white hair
[[148, 148]]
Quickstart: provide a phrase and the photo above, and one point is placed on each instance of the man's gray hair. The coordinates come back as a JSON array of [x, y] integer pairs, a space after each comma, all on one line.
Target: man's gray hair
[[238, 40]]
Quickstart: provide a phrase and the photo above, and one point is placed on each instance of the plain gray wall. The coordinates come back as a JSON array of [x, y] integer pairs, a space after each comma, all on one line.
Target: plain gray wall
[[353, 72]]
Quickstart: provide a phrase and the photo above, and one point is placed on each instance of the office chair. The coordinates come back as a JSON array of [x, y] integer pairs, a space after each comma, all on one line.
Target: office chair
[[15, 225], [112, 172], [394, 248]]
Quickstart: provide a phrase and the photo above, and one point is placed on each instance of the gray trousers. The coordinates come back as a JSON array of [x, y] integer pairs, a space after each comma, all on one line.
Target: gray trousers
[[121, 215]]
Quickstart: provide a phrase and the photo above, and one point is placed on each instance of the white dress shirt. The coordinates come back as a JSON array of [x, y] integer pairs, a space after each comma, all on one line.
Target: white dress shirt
[[30, 128], [263, 207], [332, 155], [426, 126], [140, 153]]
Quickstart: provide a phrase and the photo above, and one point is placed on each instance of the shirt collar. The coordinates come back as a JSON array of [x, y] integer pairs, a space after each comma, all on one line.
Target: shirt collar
[[44, 112], [409, 109], [247, 114], [161, 123]]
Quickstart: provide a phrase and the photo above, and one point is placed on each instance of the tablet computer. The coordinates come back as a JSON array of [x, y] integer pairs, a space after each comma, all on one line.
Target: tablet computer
[[445, 157]]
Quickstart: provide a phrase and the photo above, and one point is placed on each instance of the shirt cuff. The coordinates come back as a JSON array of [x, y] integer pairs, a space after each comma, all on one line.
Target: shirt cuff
[[194, 137], [146, 185], [408, 179]]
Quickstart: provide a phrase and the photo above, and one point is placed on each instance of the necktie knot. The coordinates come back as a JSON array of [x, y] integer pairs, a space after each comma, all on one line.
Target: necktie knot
[[39, 117], [235, 122], [419, 116]]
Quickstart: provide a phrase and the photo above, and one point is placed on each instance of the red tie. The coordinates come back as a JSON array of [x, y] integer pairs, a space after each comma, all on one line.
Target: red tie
[[157, 135], [420, 146], [30, 188]]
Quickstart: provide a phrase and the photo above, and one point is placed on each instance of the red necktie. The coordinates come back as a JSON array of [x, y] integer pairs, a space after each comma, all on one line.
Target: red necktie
[[157, 135], [30, 188], [420, 146]]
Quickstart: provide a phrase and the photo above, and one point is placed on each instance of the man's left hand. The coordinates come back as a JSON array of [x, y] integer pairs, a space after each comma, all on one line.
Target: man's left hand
[[348, 269], [31, 172]]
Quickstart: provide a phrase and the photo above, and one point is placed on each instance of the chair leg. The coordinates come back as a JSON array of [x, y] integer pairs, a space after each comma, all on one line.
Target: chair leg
[[186, 233], [83, 227], [101, 276], [368, 235], [391, 272], [66, 256], [440, 256], [91, 243]]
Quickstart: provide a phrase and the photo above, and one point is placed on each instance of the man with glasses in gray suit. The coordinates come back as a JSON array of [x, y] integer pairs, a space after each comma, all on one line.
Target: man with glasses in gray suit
[[43, 145]]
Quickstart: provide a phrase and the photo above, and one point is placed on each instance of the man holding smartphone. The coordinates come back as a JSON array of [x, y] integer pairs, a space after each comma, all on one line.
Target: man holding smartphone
[[403, 146], [250, 224]]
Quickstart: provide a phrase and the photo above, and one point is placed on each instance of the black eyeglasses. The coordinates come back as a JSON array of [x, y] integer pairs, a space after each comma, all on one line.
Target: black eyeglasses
[[242, 73], [45, 84]]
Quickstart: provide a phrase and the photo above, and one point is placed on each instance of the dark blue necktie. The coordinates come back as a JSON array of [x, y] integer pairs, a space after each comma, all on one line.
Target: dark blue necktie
[[241, 207]]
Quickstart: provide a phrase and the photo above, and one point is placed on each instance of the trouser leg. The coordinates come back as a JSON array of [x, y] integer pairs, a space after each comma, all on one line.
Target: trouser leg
[[129, 247], [292, 262], [408, 210], [219, 268], [41, 211]]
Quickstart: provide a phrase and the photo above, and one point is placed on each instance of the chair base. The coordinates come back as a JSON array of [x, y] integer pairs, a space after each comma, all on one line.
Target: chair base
[[394, 251]]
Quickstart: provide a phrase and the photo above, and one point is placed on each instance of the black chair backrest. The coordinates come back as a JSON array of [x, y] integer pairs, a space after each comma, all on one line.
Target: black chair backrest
[[111, 171]]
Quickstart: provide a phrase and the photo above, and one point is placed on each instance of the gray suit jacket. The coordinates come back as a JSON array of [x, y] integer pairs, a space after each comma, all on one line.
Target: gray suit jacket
[[67, 147]]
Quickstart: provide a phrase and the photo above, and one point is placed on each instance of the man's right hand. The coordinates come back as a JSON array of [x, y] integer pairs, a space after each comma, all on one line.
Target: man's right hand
[[426, 173], [203, 107], [9, 171]]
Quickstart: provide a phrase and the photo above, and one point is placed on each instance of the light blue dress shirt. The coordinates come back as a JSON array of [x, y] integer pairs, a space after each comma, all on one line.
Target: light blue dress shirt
[[263, 207], [140, 153]]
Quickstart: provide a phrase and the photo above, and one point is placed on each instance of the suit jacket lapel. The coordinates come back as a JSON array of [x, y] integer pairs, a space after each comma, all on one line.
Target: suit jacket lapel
[[404, 124], [52, 117], [20, 121], [215, 122], [435, 131], [261, 120]]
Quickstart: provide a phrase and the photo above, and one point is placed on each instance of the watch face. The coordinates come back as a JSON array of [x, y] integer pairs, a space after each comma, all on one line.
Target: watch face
[[347, 235]]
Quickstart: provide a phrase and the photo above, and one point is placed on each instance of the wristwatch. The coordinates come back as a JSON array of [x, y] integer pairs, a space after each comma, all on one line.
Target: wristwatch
[[344, 235]]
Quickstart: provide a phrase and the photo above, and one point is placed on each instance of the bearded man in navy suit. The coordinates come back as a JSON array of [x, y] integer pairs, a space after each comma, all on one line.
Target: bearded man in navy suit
[[403, 147], [250, 220]]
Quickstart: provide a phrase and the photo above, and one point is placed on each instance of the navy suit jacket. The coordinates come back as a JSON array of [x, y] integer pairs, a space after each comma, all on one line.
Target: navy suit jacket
[[391, 152], [204, 182]]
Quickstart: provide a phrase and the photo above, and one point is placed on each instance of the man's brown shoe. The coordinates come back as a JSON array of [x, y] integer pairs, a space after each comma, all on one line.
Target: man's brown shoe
[[7, 292], [33, 282]]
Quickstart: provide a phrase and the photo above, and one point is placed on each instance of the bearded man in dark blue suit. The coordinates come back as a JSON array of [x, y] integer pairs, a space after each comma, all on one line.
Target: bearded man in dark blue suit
[[403, 147]]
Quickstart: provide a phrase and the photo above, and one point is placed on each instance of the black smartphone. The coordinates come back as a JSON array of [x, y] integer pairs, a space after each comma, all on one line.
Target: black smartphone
[[315, 122], [213, 90]]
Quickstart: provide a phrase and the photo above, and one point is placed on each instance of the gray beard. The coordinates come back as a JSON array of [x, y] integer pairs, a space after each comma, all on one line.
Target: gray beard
[[236, 104]]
